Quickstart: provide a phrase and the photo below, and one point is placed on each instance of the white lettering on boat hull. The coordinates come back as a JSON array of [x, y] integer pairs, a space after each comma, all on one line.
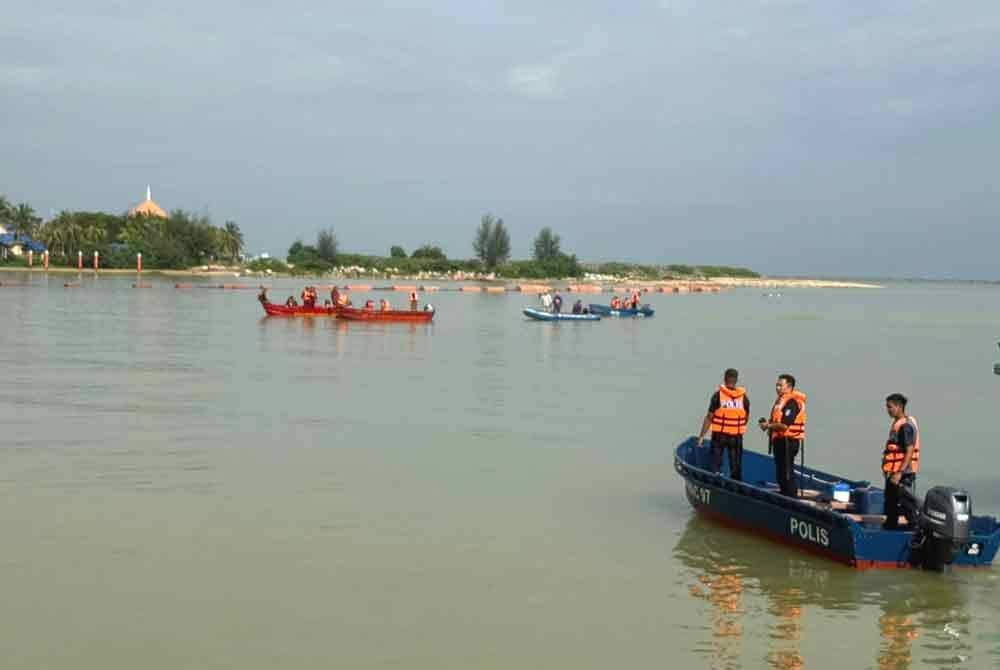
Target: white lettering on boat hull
[[809, 531], [699, 493]]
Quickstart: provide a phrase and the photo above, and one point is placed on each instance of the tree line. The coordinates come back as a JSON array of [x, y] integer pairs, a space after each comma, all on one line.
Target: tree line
[[186, 239], [181, 241], [491, 246]]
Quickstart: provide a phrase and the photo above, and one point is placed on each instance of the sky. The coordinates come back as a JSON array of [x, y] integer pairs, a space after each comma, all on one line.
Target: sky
[[825, 139]]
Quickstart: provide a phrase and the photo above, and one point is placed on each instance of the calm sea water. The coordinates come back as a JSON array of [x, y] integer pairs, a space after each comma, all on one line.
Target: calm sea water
[[184, 483]]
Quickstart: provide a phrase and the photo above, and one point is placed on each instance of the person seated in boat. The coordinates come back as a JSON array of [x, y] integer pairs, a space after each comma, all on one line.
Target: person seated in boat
[[383, 305], [900, 463], [369, 305], [616, 302], [291, 302], [428, 307], [340, 299], [309, 297], [335, 296], [556, 303], [262, 296], [578, 307]]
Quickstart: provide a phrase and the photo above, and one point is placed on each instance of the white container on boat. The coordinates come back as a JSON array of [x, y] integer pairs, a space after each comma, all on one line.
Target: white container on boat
[[842, 493]]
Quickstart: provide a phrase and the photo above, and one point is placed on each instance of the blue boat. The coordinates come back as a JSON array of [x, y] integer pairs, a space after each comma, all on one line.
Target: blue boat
[[604, 310], [542, 315], [849, 532]]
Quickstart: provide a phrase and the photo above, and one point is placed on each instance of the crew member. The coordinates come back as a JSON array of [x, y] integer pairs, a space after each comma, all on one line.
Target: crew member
[[413, 301], [900, 463], [616, 302], [556, 303], [727, 416], [383, 305], [787, 429]]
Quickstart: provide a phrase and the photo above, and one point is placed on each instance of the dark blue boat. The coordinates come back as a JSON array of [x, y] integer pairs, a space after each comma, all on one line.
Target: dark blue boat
[[848, 532], [604, 310]]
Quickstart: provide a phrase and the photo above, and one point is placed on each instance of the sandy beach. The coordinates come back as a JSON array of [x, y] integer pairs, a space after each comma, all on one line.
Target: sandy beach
[[667, 285]]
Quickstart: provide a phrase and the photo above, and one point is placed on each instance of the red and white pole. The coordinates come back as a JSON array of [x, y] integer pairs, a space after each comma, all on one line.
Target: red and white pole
[[138, 262], [79, 261], [31, 258], [45, 259], [97, 261]]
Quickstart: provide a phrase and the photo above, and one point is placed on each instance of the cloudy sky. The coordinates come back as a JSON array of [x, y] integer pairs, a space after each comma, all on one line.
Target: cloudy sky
[[852, 139]]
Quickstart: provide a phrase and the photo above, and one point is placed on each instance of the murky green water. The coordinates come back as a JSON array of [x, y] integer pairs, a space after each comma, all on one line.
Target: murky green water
[[184, 483]]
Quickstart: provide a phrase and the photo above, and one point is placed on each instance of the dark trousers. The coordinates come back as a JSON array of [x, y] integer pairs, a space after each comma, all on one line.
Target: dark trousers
[[733, 444], [900, 498], [785, 451]]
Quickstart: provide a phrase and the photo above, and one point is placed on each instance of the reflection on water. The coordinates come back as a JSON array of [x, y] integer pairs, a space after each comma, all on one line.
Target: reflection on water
[[761, 592]]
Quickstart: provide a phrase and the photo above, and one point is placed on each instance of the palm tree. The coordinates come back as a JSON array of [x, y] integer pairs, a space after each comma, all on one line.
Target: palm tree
[[6, 210], [23, 220], [233, 239]]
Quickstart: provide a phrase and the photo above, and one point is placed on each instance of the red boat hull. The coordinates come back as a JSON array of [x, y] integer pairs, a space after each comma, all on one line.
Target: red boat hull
[[405, 316], [284, 310]]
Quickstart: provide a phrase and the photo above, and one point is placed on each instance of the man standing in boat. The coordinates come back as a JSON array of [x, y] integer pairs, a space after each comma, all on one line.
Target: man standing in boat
[[786, 430], [727, 415], [900, 463]]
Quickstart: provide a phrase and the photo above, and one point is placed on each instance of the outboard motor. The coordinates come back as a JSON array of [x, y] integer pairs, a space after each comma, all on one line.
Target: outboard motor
[[943, 527]]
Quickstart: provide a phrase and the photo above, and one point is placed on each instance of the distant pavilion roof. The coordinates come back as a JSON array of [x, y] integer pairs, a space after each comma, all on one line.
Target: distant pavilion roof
[[148, 208]]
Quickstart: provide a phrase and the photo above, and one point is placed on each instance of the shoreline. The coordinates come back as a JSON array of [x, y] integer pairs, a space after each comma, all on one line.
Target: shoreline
[[693, 284], [789, 282]]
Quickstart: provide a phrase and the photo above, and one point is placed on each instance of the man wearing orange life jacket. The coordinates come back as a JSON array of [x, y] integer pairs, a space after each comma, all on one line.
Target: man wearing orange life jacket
[[727, 415], [413, 301], [900, 463], [786, 429]]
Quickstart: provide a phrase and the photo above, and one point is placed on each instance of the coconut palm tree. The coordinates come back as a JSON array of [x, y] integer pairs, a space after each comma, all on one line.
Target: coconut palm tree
[[232, 239], [6, 210], [24, 221]]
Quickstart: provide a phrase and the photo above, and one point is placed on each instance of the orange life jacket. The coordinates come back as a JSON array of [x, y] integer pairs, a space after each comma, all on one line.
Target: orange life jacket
[[797, 430], [615, 303], [894, 455], [731, 417], [369, 304]]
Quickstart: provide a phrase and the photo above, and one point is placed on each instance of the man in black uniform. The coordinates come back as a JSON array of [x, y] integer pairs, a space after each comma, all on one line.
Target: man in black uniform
[[900, 463], [727, 416], [787, 429]]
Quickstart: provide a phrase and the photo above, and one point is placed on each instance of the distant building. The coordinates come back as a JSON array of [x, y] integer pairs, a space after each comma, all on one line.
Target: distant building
[[148, 208], [22, 244]]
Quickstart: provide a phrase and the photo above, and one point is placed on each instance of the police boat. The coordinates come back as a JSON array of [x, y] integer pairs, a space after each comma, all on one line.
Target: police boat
[[838, 518]]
